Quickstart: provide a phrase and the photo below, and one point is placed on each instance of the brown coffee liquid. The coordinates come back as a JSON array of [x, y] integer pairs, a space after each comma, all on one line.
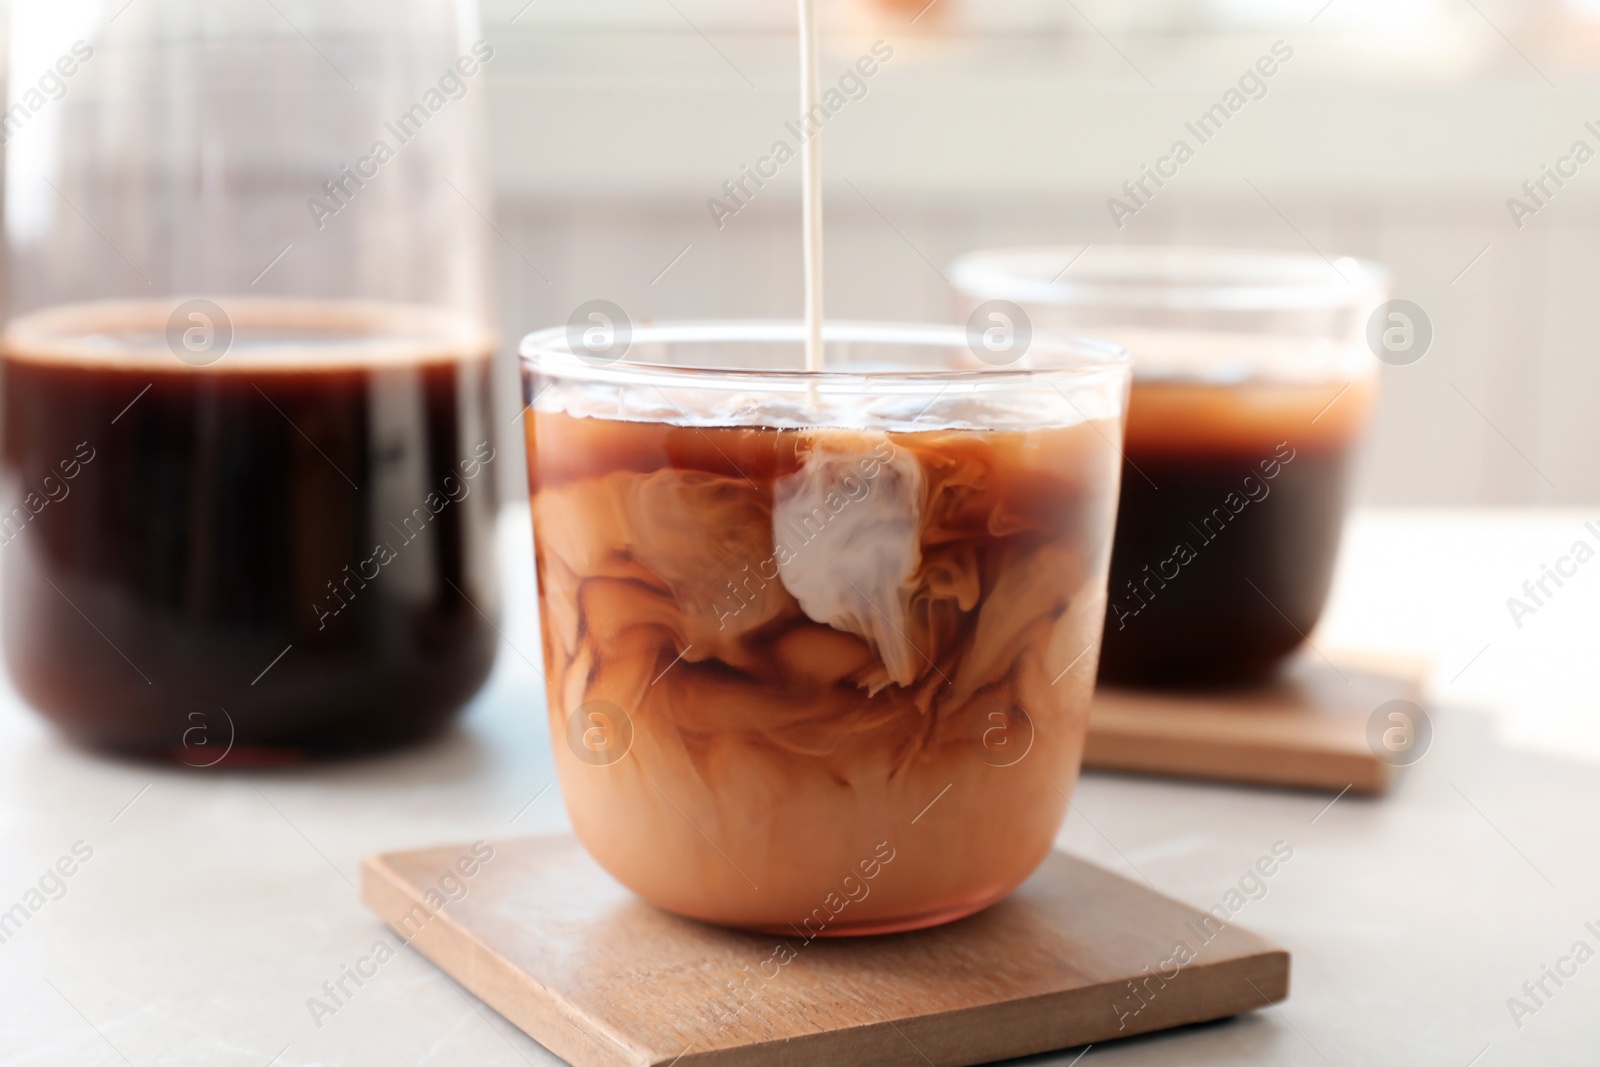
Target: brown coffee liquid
[[1233, 498], [267, 556], [805, 637]]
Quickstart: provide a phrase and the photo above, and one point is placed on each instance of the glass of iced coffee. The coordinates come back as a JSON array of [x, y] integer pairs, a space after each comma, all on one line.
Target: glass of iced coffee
[[820, 645], [1253, 387]]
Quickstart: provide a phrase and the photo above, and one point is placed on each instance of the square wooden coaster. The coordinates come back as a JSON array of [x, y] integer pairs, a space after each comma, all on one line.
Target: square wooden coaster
[[1307, 728], [1077, 955]]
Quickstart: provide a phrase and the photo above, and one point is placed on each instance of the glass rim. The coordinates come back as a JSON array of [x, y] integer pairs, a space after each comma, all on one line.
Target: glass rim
[[1168, 277], [1078, 358], [265, 333]]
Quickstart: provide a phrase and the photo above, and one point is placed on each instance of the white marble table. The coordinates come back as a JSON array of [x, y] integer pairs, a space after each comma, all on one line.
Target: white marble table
[[213, 907]]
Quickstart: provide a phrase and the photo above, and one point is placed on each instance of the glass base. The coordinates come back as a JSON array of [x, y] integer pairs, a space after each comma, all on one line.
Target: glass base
[[919, 921]]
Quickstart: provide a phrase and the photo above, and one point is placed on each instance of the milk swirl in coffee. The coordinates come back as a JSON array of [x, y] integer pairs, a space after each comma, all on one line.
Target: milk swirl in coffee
[[811, 632], [799, 625]]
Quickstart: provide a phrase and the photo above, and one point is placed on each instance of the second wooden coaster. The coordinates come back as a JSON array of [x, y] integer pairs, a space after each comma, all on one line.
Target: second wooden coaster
[[1309, 728], [602, 979]]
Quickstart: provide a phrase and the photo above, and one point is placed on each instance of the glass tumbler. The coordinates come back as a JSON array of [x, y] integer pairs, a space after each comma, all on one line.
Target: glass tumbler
[[819, 646], [246, 494], [1253, 387]]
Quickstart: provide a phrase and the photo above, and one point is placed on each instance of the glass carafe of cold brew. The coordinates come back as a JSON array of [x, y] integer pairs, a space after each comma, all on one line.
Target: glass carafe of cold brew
[[248, 461]]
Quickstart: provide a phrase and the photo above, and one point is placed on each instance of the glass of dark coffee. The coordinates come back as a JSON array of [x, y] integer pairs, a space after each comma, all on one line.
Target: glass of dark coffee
[[1253, 387], [248, 476]]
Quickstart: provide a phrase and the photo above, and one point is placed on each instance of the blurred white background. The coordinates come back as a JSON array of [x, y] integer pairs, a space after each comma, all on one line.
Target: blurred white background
[[1398, 131]]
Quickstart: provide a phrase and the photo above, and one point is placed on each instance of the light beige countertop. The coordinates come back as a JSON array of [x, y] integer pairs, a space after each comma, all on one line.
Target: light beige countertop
[[214, 906]]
